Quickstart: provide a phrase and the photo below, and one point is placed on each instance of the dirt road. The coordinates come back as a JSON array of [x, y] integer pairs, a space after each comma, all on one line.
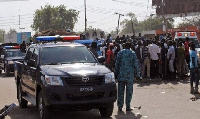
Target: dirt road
[[158, 100]]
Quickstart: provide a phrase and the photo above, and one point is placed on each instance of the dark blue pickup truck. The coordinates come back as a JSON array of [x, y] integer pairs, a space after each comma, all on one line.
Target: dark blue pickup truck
[[64, 75]]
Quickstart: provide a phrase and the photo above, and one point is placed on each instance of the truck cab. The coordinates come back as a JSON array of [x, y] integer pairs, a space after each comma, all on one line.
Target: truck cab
[[64, 75], [9, 54]]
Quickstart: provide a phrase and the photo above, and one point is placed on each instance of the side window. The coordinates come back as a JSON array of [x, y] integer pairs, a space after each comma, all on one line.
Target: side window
[[30, 52], [35, 55], [2, 53]]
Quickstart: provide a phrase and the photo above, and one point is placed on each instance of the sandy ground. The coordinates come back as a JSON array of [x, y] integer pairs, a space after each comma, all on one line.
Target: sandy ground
[[158, 100]]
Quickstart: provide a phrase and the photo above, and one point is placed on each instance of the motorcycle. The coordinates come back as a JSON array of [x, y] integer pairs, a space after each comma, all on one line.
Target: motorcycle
[[5, 110]]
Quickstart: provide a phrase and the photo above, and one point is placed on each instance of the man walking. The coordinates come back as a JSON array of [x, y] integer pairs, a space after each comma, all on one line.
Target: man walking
[[180, 60], [23, 47], [126, 68], [154, 51], [171, 58], [194, 70], [146, 61]]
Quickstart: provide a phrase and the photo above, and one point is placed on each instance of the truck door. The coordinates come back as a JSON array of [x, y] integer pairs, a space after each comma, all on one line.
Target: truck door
[[27, 81], [33, 70]]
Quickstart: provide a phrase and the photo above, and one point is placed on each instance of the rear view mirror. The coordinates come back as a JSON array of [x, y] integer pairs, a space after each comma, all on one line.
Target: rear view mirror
[[101, 59]]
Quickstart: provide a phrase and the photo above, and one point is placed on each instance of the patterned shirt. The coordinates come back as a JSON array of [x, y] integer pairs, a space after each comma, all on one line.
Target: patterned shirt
[[126, 66], [145, 52]]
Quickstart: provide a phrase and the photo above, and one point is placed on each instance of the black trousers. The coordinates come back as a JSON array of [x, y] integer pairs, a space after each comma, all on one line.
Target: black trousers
[[154, 68]]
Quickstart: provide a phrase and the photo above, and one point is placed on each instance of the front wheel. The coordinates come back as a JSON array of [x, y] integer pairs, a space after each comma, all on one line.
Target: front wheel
[[45, 112], [22, 102], [7, 72], [106, 111]]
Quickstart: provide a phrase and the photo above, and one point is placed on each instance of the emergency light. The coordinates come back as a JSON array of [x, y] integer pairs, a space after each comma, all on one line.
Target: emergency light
[[192, 34], [46, 38], [84, 41], [57, 38], [179, 34], [11, 47], [66, 38]]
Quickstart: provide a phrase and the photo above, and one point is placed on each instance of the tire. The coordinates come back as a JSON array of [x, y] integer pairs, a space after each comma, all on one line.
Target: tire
[[45, 112], [7, 72], [106, 111], [22, 102]]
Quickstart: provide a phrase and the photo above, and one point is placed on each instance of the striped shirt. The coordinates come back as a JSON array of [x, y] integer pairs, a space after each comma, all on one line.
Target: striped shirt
[[145, 52]]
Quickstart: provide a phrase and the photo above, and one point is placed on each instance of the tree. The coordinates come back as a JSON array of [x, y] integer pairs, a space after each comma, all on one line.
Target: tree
[[55, 18], [129, 26], [151, 23], [12, 31], [2, 32], [184, 24], [194, 21]]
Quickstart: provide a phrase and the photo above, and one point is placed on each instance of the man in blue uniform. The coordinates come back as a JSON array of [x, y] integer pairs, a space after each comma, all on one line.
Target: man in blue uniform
[[126, 68], [194, 70]]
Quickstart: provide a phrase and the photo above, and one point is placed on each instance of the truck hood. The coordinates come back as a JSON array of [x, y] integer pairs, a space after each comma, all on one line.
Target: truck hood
[[14, 58], [197, 49], [78, 69]]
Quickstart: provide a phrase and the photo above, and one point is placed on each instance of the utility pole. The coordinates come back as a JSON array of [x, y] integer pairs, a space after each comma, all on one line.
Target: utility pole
[[163, 15], [19, 19], [85, 16], [118, 21]]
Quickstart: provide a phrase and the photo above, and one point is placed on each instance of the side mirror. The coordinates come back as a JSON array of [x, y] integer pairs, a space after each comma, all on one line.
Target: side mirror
[[101, 59], [31, 63], [2, 56]]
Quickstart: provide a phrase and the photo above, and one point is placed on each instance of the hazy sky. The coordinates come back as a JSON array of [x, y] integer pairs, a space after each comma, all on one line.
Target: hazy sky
[[100, 13]]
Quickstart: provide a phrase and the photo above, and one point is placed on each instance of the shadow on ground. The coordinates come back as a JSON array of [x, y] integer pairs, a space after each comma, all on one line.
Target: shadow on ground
[[32, 113]]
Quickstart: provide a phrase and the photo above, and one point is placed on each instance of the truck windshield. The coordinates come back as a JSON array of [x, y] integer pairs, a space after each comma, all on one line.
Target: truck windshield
[[14, 53], [66, 55]]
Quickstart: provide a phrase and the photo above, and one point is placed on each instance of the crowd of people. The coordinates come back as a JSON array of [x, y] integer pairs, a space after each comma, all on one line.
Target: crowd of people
[[158, 58], [146, 59]]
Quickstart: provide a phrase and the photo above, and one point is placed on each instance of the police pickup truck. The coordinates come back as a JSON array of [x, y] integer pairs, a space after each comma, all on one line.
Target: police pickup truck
[[9, 53], [64, 75]]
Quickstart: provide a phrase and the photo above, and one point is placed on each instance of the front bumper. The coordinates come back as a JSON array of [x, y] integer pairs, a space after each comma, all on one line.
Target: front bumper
[[73, 97]]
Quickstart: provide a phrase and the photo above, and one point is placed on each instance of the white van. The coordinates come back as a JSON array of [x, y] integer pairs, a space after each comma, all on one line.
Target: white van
[[192, 38]]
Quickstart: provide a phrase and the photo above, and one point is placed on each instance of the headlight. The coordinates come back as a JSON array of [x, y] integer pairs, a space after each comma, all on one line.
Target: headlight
[[109, 78], [10, 62], [198, 54], [53, 80]]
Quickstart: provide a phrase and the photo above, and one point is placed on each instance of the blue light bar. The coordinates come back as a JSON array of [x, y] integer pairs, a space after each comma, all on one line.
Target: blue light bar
[[46, 38], [8, 47], [12, 47], [84, 41]]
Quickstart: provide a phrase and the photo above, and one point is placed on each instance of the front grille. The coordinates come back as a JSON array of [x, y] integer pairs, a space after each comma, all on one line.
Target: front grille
[[77, 81], [92, 96]]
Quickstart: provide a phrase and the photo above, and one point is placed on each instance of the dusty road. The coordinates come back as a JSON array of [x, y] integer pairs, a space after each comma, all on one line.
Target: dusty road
[[158, 100]]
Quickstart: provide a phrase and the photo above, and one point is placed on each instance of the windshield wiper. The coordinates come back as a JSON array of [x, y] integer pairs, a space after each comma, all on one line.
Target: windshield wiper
[[53, 63]]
